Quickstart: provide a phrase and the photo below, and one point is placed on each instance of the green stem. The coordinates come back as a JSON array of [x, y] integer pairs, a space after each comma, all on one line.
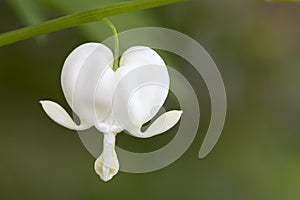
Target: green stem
[[116, 43], [80, 18]]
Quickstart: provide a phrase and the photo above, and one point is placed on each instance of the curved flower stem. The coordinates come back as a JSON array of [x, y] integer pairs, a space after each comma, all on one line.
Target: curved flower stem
[[79, 18], [116, 43]]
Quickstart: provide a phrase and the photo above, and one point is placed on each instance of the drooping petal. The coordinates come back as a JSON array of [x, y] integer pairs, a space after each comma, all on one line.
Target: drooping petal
[[60, 116], [141, 89], [87, 81], [160, 125]]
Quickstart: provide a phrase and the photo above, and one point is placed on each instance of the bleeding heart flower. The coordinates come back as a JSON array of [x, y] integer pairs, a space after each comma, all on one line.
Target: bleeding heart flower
[[113, 101]]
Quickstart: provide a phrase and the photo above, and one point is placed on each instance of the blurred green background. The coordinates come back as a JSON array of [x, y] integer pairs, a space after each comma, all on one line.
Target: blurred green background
[[256, 46]]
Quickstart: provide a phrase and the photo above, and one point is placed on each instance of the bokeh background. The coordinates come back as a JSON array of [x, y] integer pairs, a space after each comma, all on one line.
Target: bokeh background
[[256, 46]]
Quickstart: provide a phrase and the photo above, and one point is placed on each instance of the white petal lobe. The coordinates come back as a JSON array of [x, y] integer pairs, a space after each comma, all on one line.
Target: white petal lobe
[[160, 125], [60, 116]]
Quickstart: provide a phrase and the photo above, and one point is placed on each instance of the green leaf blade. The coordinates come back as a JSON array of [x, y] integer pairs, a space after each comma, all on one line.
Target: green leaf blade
[[80, 18]]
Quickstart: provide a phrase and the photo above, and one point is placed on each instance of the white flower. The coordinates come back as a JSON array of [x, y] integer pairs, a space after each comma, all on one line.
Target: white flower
[[113, 101]]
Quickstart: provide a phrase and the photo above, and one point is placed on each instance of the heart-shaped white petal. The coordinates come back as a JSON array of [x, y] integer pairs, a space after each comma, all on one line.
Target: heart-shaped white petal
[[145, 78], [87, 80], [141, 89]]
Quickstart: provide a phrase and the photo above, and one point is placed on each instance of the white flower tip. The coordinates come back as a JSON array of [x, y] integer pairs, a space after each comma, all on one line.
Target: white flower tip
[[105, 171], [44, 103], [179, 112], [172, 117]]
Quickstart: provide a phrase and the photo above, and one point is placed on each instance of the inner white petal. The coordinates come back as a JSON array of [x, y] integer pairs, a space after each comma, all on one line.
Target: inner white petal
[[108, 125]]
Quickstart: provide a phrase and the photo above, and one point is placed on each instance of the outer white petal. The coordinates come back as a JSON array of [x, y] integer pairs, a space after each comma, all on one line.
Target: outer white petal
[[141, 87], [160, 125], [82, 72], [60, 116]]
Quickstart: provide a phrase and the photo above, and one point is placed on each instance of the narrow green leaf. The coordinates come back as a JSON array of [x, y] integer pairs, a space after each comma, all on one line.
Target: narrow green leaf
[[80, 18], [98, 31]]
